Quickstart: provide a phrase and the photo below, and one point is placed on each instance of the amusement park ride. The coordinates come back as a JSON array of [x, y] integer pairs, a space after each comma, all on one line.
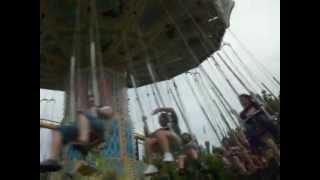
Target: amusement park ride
[[104, 47]]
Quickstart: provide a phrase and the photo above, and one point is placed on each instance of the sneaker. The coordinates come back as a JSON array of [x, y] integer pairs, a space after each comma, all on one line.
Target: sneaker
[[151, 169], [50, 166], [168, 157]]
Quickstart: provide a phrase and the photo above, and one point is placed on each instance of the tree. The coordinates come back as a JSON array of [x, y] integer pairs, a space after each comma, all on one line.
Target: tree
[[272, 104]]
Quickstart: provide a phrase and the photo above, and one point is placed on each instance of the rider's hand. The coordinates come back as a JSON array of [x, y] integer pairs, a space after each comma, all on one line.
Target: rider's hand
[[156, 111], [105, 111]]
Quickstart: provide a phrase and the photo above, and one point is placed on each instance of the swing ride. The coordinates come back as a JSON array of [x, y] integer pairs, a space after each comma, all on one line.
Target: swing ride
[[117, 22], [101, 48]]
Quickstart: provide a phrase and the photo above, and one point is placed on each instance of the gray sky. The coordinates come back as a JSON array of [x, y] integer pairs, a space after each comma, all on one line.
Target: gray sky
[[256, 23]]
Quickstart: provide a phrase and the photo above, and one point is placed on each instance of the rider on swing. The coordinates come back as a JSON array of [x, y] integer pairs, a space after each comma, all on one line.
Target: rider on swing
[[87, 129], [169, 131], [190, 151], [260, 130]]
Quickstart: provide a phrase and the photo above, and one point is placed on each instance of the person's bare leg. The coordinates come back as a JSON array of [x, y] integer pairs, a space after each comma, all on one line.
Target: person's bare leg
[[56, 145], [239, 164], [181, 162], [251, 165], [84, 129], [150, 169], [162, 136], [149, 143]]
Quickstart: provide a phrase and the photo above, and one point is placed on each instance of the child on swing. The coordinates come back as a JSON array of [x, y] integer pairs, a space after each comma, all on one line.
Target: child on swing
[[161, 137]]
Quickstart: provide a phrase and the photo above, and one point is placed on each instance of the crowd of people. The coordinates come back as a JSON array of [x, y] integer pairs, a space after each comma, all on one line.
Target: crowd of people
[[252, 146], [247, 149]]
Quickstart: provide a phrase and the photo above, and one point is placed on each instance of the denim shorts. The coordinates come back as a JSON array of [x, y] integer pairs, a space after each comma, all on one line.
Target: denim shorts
[[70, 132]]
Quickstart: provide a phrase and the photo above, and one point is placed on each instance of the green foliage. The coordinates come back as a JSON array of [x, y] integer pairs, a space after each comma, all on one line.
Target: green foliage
[[272, 103], [216, 167]]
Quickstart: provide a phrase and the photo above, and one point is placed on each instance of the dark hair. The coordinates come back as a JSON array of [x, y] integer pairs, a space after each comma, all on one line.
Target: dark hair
[[252, 102], [163, 116], [166, 115], [247, 96]]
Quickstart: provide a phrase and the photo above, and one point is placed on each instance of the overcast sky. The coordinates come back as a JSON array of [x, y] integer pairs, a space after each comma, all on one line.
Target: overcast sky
[[257, 24]]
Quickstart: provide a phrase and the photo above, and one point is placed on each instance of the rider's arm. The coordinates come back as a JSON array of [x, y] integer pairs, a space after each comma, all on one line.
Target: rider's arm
[[167, 110], [105, 111], [164, 109]]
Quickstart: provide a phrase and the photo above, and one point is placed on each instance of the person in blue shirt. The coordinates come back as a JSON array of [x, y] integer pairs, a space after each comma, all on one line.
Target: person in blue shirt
[[87, 130]]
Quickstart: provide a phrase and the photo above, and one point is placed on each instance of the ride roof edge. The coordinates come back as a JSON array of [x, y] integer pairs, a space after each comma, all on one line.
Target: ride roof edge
[[165, 47]]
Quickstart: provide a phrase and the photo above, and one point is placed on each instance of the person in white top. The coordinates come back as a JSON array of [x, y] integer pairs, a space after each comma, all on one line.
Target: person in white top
[[168, 132]]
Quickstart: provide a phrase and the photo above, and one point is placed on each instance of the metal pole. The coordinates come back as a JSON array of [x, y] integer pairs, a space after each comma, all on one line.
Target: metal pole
[[202, 109], [204, 91], [184, 117], [235, 75], [146, 128], [72, 90], [95, 88], [224, 76]]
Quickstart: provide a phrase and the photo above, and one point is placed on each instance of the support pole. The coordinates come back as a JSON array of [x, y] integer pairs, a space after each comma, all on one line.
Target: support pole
[[202, 90], [184, 117], [216, 105], [95, 88], [222, 99], [239, 72], [246, 68], [146, 128], [234, 74], [224, 75], [72, 89]]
